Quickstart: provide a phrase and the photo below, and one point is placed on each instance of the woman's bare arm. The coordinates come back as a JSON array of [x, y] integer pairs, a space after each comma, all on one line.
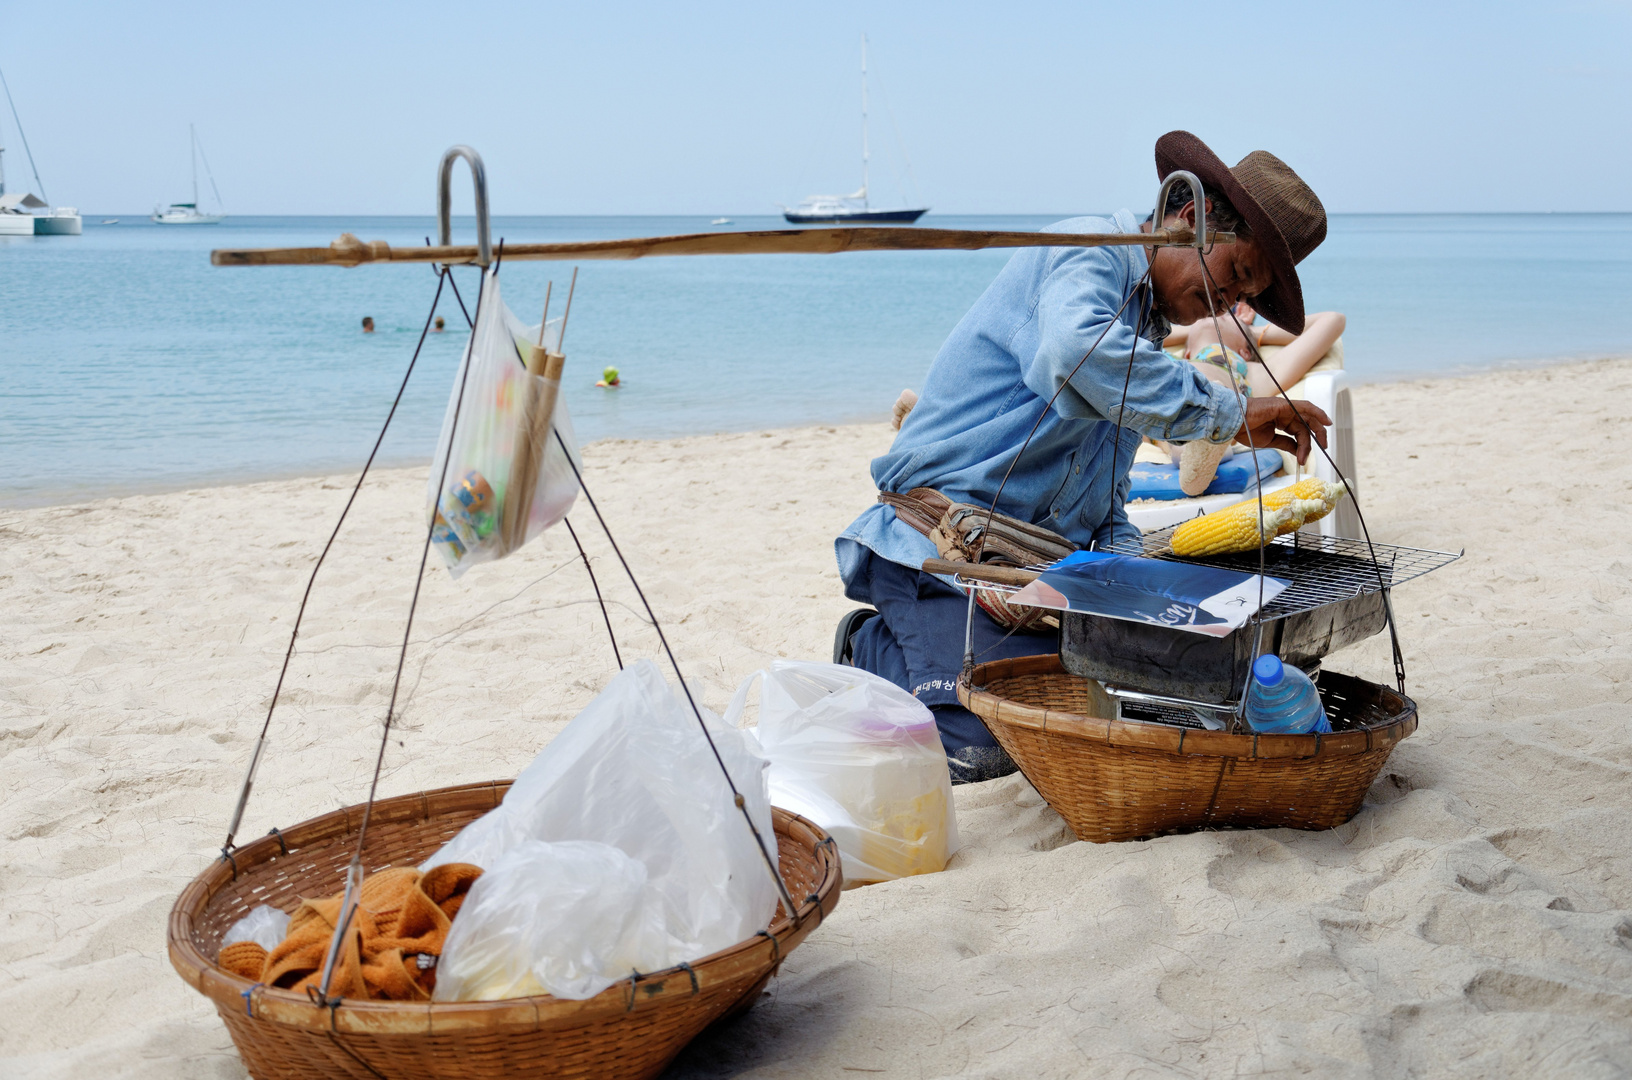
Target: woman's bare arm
[[1301, 352]]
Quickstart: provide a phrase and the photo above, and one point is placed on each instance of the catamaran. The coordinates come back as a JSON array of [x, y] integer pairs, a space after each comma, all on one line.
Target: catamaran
[[16, 208], [188, 213], [852, 209]]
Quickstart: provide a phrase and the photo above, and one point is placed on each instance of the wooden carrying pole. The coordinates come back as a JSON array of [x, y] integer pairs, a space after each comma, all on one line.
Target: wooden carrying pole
[[350, 251], [997, 575]]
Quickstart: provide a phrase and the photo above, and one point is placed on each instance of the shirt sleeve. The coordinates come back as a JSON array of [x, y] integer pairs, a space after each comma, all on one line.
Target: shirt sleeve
[[1166, 398]]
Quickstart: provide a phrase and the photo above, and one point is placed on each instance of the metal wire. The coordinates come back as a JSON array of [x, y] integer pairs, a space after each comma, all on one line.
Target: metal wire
[[1238, 721], [736, 796], [599, 599], [260, 743], [1388, 603], [991, 511], [354, 871]]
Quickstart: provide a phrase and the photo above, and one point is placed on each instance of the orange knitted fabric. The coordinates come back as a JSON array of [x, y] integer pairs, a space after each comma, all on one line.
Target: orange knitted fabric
[[244, 958], [401, 916]]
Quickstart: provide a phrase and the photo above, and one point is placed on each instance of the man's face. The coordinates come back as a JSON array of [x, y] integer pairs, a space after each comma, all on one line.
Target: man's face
[[1239, 271]]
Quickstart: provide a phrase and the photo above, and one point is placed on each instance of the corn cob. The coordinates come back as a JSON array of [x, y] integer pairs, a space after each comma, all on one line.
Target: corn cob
[[1238, 527]]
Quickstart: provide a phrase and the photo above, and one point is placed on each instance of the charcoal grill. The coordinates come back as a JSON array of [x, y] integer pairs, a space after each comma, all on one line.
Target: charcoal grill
[[1338, 597]]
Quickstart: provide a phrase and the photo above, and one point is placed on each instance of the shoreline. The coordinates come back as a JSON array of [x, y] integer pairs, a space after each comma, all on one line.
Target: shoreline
[[160, 487]]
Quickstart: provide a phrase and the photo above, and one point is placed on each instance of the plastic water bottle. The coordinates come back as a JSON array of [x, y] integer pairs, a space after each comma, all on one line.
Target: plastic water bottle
[[1283, 700]]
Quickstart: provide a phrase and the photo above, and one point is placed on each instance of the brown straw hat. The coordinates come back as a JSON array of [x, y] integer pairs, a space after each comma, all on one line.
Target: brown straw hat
[[1285, 218]]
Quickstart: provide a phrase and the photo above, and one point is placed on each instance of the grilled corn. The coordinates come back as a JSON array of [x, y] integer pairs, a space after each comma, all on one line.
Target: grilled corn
[[1240, 528]]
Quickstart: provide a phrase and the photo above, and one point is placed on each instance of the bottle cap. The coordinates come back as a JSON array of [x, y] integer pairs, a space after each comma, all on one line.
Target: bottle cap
[[1268, 670]]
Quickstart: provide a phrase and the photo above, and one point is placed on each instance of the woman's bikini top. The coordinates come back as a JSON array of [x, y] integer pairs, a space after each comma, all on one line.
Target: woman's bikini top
[[1224, 357]]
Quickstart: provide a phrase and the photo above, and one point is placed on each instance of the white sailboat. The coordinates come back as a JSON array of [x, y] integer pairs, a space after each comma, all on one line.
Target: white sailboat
[[15, 216], [852, 209], [188, 213]]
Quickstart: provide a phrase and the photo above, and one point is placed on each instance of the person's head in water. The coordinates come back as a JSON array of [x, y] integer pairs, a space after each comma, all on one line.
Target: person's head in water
[[368, 324], [439, 325]]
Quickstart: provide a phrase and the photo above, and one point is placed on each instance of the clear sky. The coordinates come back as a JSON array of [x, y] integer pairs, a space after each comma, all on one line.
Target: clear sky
[[729, 108]]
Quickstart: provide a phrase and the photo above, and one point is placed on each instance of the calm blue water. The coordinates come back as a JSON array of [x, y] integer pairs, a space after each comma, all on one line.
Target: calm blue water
[[128, 363]]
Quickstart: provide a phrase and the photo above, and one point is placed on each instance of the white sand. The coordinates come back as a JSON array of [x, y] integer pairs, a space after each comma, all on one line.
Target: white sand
[[1474, 919]]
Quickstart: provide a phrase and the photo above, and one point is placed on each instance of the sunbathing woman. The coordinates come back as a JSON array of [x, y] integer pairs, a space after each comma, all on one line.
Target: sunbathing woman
[[1300, 353], [1220, 350]]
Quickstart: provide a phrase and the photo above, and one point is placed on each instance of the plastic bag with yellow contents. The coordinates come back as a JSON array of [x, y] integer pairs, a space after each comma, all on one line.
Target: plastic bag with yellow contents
[[860, 757]]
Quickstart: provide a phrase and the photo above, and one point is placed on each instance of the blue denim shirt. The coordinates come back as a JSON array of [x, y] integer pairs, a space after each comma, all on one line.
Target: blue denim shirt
[[991, 382]]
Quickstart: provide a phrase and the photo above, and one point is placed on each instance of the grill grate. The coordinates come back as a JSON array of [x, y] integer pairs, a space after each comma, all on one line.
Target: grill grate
[[1323, 569]]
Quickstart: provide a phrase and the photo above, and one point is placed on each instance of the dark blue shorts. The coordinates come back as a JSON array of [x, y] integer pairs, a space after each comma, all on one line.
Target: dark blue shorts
[[917, 643]]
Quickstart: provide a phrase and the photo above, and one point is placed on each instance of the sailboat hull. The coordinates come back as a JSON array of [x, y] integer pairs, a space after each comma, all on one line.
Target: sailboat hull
[[856, 217], [178, 218], [58, 225]]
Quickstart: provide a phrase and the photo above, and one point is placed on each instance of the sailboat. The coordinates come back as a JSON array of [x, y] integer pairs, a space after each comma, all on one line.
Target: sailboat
[[188, 213], [16, 208], [852, 209]]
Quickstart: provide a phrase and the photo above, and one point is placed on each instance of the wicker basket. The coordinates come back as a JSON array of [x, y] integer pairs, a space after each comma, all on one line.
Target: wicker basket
[[1124, 780], [633, 1029]]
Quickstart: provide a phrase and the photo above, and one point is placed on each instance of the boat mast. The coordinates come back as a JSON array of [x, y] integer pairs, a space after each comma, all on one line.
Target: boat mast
[[192, 142], [864, 121], [24, 136]]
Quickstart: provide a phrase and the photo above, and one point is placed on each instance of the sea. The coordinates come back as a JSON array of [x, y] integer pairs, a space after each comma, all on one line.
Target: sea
[[129, 364]]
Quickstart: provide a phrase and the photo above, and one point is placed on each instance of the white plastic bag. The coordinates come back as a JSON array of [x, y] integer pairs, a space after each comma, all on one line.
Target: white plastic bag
[[634, 771], [567, 919], [863, 759], [466, 510], [266, 926]]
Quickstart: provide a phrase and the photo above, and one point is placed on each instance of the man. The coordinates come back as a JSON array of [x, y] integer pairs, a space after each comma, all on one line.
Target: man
[[1019, 347]]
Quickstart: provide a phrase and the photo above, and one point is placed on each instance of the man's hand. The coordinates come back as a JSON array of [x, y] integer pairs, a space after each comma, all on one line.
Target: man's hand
[[1268, 421]]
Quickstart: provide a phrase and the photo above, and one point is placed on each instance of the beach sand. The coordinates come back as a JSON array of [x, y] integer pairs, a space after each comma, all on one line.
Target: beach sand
[[1475, 919]]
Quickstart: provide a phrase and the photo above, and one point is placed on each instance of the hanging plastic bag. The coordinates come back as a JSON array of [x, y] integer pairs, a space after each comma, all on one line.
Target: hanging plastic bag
[[863, 759], [506, 477], [567, 919], [266, 926], [634, 771]]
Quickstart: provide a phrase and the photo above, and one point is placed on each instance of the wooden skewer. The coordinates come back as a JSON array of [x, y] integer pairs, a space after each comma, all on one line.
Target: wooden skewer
[[997, 575], [572, 287], [544, 323], [350, 251]]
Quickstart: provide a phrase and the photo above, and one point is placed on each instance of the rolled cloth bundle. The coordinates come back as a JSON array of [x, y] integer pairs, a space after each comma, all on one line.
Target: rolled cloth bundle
[[963, 532], [390, 951]]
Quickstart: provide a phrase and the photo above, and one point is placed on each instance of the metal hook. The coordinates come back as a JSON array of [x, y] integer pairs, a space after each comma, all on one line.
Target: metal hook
[[1197, 194], [444, 201]]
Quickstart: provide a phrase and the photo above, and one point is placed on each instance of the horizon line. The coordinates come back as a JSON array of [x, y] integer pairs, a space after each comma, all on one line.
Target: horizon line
[[1058, 215]]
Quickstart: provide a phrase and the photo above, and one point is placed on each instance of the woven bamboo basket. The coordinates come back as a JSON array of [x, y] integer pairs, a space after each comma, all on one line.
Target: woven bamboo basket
[[633, 1029], [1125, 780]]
